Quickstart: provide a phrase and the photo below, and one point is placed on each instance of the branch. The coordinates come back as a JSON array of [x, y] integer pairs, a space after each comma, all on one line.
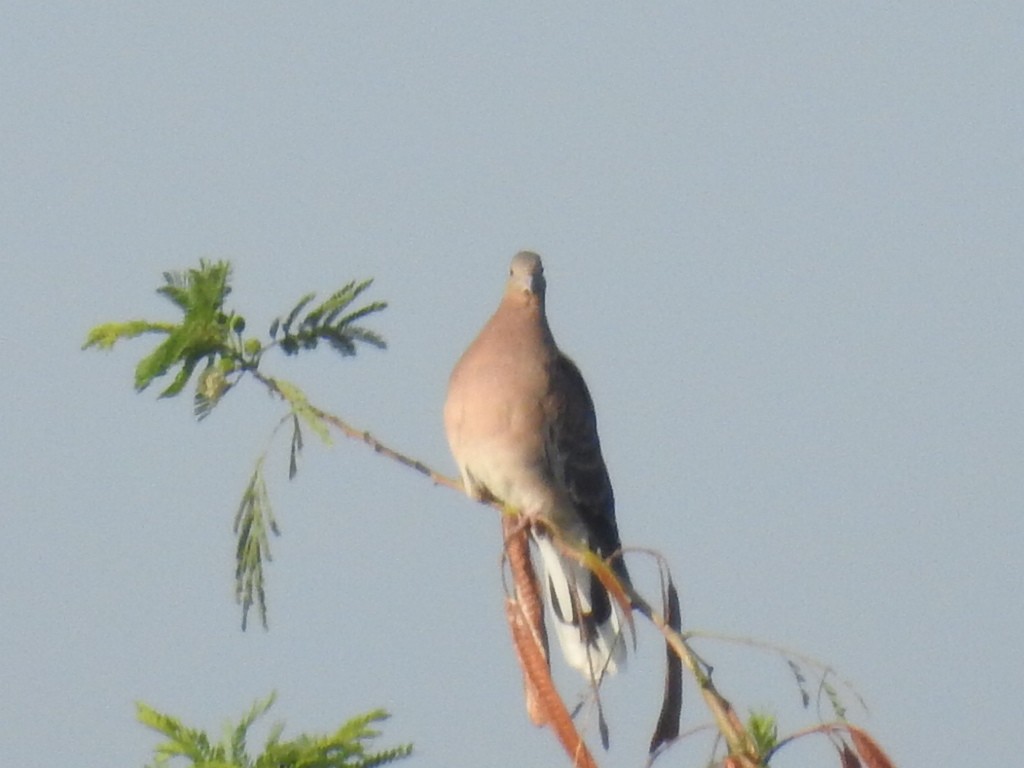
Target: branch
[[544, 704], [364, 436], [741, 746]]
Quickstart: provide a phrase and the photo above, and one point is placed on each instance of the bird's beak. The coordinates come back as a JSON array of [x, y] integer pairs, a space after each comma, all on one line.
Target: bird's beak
[[527, 283]]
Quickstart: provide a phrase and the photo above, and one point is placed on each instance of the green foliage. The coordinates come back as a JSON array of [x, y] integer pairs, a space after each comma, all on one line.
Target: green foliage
[[344, 748], [301, 409], [326, 322], [207, 331], [801, 682], [214, 337], [106, 335], [764, 730], [253, 520], [833, 698]]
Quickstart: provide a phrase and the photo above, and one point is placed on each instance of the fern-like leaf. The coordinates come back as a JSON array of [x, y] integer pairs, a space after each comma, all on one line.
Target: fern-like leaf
[[105, 336], [326, 322], [286, 326], [764, 730], [345, 748], [833, 698], [303, 410], [202, 332], [801, 682], [253, 521]]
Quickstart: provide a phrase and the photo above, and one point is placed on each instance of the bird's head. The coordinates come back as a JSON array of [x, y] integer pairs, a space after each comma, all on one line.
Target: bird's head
[[526, 276]]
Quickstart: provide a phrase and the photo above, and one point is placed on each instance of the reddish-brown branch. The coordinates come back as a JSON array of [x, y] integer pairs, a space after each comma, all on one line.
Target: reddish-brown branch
[[530, 607], [868, 752], [550, 707]]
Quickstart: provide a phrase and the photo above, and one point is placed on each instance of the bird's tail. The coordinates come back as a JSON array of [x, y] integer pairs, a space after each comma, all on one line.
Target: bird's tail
[[586, 619]]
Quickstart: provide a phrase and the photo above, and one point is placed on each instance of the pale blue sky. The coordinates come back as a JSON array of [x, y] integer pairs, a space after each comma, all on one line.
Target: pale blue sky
[[783, 241]]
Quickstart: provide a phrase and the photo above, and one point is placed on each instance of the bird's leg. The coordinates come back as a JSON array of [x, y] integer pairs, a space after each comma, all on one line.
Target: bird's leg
[[527, 518], [518, 517]]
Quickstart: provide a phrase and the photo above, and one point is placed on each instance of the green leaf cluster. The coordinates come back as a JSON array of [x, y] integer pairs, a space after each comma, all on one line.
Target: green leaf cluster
[[764, 730], [347, 747], [328, 322], [204, 331], [211, 333], [254, 521]]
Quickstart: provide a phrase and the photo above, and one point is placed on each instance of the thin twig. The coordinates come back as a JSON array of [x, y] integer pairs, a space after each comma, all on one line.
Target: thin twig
[[786, 653], [366, 437]]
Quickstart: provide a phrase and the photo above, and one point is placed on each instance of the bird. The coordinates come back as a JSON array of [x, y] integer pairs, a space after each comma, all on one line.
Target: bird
[[522, 429]]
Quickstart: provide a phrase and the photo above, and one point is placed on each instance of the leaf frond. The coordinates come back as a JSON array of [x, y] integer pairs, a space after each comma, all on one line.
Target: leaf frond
[[188, 365], [833, 699], [327, 323], [303, 410], [764, 730], [253, 520], [203, 331], [345, 748], [105, 336], [286, 326]]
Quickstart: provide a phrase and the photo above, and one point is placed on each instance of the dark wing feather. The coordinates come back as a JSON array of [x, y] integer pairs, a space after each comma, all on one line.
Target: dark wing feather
[[579, 464]]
